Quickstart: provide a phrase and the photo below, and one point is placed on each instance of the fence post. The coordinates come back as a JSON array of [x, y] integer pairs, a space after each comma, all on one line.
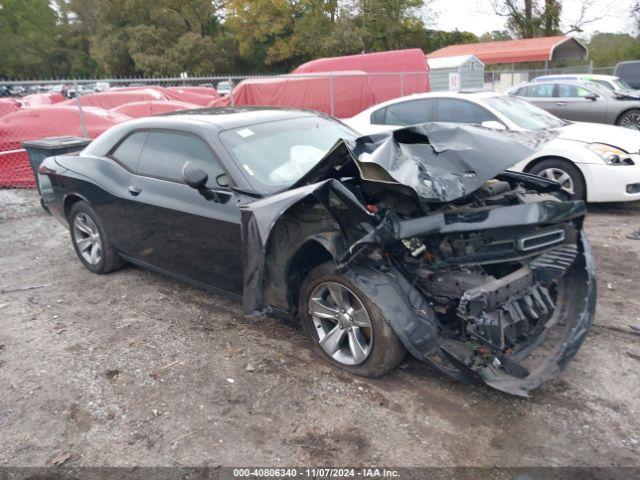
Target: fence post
[[402, 84], [83, 124], [231, 92], [331, 95]]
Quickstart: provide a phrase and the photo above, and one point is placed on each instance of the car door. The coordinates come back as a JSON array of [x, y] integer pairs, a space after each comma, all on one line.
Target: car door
[[573, 103], [175, 227]]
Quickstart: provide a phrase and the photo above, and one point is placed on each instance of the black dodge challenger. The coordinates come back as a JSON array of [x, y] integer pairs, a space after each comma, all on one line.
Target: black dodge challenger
[[417, 240]]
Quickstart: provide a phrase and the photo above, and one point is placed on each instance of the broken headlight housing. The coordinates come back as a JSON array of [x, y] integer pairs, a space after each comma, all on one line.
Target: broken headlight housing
[[611, 155]]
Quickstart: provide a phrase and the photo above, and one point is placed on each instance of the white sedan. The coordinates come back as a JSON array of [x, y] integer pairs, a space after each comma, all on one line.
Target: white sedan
[[595, 162]]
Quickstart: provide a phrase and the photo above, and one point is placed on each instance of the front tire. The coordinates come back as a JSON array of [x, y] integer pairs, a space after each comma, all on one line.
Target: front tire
[[565, 173], [345, 327], [630, 119], [90, 241]]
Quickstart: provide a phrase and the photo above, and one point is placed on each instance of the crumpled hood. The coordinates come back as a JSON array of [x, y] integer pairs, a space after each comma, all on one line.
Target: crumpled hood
[[624, 138], [439, 162]]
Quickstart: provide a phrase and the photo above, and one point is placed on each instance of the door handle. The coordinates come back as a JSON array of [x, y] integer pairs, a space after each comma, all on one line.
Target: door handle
[[561, 104], [135, 191]]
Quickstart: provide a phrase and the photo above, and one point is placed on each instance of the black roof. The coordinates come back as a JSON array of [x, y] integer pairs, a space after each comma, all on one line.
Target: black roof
[[233, 117]]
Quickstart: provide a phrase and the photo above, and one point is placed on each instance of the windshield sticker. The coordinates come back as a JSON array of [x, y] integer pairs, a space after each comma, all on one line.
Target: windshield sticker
[[245, 132]]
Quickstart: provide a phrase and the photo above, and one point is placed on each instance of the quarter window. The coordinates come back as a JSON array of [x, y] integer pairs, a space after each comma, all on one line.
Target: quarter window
[[461, 111], [411, 112], [165, 154], [128, 152]]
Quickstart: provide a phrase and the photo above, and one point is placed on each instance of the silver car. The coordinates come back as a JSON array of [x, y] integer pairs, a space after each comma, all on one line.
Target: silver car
[[611, 82], [582, 102]]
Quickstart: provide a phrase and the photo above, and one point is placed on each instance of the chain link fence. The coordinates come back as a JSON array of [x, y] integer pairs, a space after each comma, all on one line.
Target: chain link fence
[[80, 107], [36, 109], [502, 80]]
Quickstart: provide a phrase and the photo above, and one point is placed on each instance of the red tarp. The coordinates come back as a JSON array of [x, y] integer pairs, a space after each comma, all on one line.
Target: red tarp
[[8, 105], [351, 94], [198, 95], [509, 51], [114, 98], [411, 62], [38, 122], [39, 99], [145, 109]]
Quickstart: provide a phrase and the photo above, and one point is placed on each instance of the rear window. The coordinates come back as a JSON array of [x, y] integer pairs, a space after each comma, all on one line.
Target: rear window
[[406, 113]]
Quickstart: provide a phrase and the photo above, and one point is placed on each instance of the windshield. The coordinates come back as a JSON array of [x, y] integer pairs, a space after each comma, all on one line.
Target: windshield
[[274, 155], [523, 113], [620, 84]]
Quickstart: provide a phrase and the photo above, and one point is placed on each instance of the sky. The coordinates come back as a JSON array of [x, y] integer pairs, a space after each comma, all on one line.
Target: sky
[[477, 16]]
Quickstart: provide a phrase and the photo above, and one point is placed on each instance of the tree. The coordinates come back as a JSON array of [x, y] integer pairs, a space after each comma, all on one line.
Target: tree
[[27, 38], [496, 36], [606, 49]]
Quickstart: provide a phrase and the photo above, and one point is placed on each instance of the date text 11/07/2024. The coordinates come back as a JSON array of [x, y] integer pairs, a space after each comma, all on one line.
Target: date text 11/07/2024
[[315, 473]]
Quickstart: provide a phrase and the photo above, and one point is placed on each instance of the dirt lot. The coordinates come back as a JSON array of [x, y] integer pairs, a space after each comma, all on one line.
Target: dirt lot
[[136, 369]]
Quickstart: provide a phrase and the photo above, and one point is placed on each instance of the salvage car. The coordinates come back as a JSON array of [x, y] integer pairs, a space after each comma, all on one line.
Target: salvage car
[[414, 240], [596, 163]]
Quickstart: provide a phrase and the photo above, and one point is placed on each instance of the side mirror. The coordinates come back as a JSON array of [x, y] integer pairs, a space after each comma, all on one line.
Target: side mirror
[[194, 176], [222, 180], [494, 125], [591, 96]]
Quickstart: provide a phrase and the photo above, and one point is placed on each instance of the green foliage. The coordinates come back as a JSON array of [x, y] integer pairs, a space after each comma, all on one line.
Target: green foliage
[[607, 49], [90, 38], [27, 38]]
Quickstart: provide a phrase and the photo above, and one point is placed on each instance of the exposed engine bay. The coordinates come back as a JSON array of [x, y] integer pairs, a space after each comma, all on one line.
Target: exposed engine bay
[[483, 273], [493, 291]]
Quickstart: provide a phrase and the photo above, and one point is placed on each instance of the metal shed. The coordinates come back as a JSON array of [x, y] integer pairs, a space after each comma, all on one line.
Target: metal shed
[[455, 73]]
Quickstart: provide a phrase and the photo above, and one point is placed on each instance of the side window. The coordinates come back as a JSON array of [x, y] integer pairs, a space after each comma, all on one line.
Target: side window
[[165, 154], [461, 111], [405, 113], [128, 152], [571, 91], [544, 90]]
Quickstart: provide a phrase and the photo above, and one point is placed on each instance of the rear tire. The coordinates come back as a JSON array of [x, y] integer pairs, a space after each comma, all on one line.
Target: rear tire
[[90, 240], [565, 173], [382, 349]]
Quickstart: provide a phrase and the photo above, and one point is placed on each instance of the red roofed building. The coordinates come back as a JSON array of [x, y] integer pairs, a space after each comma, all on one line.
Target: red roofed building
[[544, 49]]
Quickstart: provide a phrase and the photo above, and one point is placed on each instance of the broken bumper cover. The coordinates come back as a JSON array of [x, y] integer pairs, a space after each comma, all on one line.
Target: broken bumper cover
[[554, 347]]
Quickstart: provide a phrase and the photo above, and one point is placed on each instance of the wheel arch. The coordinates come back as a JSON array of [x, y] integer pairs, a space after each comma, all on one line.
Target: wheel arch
[[624, 112], [537, 161], [314, 252], [69, 201]]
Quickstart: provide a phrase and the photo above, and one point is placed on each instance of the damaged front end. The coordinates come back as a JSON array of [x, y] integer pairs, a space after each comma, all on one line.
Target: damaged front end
[[485, 274]]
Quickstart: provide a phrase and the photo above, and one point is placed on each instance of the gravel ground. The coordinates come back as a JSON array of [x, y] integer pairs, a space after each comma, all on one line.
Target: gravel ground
[[133, 368]]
